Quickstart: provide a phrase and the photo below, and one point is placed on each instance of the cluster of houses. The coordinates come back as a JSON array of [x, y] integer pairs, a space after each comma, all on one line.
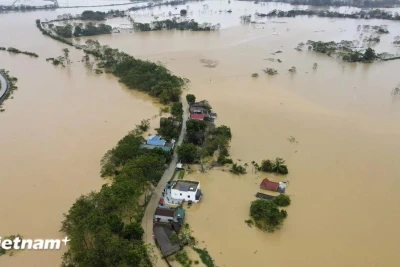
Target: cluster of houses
[[201, 111], [169, 216]]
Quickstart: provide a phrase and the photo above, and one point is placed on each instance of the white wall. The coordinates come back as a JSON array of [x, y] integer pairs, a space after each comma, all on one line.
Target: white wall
[[184, 195]]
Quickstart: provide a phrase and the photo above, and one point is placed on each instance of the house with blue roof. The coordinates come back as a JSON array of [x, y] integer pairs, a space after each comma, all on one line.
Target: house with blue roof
[[155, 140]]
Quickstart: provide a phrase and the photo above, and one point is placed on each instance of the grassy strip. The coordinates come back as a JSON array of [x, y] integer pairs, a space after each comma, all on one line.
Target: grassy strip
[[181, 174], [205, 257]]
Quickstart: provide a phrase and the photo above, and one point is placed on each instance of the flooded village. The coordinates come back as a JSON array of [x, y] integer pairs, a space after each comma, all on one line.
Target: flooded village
[[331, 121]]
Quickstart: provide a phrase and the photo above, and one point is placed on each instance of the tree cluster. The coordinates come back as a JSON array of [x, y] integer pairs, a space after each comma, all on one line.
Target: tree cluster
[[171, 24], [93, 15], [278, 166], [169, 129], [105, 226], [344, 50], [369, 14], [89, 29], [127, 149], [267, 215]]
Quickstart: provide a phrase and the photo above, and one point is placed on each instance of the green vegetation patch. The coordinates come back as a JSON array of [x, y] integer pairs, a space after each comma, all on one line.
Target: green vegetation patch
[[205, 257], [267, 215]]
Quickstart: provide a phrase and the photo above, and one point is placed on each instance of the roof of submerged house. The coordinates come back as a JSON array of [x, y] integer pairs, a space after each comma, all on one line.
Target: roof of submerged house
[[267, 184]]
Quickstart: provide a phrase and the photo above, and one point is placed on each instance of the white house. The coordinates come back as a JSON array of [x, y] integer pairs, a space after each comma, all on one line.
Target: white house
[[186, 190]]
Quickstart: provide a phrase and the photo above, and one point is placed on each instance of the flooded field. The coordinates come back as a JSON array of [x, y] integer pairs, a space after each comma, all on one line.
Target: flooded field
[[344, 171]]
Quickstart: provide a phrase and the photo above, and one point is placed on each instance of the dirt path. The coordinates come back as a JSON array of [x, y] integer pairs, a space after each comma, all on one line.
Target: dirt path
[[147, 222]]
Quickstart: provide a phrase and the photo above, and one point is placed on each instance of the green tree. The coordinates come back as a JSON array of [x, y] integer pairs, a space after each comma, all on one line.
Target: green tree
[[266, 215], [177, 109], [266, 166], [237, 169], [282, 200], [369, 54], [279, 166], [190, 98], [133, 231], [188, 153], [224, 131]]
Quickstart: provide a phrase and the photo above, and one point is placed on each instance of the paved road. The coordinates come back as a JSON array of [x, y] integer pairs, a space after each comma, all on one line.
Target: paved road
[[3, 87], [147, 222]]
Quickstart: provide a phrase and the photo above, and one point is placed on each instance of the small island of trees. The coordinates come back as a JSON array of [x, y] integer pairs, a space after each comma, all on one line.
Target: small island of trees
[[177, 24], [346, 51], [266, 213]]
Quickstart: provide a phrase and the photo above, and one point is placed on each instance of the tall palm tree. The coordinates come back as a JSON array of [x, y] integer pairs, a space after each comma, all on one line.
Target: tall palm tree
[[279, 166]]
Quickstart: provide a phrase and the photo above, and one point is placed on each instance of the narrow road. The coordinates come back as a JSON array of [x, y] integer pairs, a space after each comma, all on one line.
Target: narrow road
[[147, 222], [4, 85]]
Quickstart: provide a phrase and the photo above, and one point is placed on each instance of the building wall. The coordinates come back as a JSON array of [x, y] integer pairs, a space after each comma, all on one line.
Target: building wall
[[185, 195], [164, 219]]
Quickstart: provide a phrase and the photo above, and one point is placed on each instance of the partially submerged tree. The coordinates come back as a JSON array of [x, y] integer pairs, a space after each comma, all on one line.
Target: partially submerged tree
[[278, 166], [270, 71], [282, 200], [267, 215]]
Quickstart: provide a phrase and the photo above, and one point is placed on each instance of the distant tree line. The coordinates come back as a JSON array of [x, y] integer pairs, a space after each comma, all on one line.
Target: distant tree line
[[22, 8], [174, 23], [89, 29], [355, 3], [93, 15], [17, 51], [155, 4], [370, 14]]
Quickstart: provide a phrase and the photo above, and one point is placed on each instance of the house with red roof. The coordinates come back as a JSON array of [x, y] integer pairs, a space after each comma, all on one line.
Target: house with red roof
[[195, 116], [273, 186]]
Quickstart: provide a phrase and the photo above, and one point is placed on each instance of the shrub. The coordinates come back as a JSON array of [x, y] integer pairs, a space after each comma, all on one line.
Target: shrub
[[144, 125], [188, 153], [237, 169], [282, 200]]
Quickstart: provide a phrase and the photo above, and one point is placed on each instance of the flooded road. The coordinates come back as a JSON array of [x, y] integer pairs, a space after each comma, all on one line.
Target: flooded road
[[344, 171]]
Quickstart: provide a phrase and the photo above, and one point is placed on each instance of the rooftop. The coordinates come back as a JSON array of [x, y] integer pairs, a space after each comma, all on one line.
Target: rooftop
[[167, 212], [186, 185], [163, 241], [195, 116]]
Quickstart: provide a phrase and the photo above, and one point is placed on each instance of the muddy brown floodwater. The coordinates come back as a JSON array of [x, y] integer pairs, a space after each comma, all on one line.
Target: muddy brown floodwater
[[344, 170]]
